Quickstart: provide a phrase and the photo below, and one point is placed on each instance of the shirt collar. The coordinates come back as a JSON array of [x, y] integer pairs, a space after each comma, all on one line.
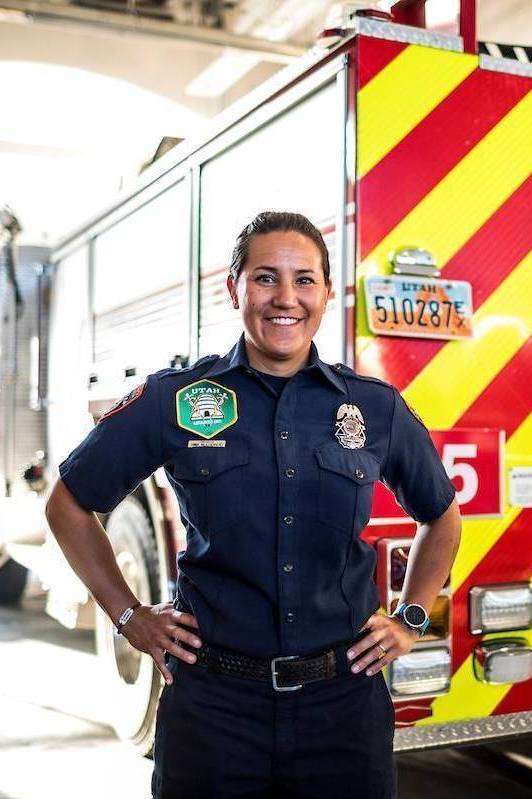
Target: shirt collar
[[238, 357]]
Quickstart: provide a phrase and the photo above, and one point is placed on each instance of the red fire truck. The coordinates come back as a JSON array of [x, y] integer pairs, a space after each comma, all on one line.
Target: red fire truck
[[411, 151]]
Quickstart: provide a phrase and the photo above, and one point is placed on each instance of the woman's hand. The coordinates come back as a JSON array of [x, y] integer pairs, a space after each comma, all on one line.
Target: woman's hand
[[392, 634], [155, 628]]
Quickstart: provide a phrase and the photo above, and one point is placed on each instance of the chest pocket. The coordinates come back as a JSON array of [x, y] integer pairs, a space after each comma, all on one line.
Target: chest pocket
[[346, 480], [211, 485]]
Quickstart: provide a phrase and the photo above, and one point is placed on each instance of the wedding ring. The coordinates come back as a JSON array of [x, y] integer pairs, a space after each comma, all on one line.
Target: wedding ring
[[384, 651]]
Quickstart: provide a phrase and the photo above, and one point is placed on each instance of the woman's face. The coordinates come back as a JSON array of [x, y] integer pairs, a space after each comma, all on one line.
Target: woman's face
[[282, 295]]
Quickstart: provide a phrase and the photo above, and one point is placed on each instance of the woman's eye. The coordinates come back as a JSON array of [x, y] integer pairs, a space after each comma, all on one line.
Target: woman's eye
[[265, 277], [310, 280]]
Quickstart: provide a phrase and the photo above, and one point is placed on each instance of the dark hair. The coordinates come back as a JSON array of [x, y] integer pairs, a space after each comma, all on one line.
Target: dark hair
[[268, 222]]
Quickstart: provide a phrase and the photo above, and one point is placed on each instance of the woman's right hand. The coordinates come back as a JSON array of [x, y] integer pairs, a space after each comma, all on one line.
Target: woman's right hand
[[153, 628]]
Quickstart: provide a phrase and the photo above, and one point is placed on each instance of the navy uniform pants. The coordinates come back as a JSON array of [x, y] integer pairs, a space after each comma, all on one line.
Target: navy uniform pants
[[225, 737]]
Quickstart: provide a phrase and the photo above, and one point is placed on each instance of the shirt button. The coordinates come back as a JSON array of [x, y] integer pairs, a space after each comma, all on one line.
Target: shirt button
[[284, 434], [204, 471], [288, 567], [288, 519], [290, 472], [359, 473], [290, 617]]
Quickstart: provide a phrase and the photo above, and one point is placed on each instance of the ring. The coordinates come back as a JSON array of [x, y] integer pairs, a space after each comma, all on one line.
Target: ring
[[384, 651]]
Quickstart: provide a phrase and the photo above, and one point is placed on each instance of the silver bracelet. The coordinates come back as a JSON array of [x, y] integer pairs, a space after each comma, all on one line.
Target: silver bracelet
[[125, 617]]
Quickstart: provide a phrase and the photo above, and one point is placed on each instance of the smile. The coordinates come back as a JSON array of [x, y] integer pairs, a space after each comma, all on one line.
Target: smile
[[284, 320]]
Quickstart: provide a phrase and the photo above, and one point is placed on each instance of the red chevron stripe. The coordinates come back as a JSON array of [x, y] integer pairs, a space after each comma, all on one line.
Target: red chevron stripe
[[505, 402], [503, 563], [425, 156], [518, 698], [372, 59], [485, 260]]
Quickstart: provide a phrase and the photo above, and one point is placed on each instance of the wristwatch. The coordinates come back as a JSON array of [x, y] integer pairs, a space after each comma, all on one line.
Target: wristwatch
[[125, 617], [413, 616]]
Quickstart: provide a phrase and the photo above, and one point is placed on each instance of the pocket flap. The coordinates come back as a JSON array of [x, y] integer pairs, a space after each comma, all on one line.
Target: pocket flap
[[356, 464], [201, 464]]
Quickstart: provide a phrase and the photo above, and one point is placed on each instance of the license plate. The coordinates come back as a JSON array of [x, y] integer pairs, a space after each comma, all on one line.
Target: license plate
[[424, 308]]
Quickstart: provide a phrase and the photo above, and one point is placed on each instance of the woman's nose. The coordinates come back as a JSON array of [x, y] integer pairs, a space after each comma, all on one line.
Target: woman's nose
[[286, 295]]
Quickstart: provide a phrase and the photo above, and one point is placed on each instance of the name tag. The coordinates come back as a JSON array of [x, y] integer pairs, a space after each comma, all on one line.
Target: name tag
[[219, 442]]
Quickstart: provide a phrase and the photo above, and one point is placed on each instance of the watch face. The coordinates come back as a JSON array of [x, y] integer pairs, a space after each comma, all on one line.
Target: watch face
[[415, 615]]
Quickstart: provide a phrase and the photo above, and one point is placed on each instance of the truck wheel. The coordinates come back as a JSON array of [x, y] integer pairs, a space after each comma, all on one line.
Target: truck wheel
[[13, 577], [132, 679]]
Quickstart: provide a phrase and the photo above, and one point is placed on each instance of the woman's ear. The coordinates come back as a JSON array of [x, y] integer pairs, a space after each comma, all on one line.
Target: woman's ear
[[232, 290]]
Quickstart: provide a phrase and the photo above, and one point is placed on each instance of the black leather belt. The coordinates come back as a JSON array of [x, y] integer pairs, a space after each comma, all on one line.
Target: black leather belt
[[287, 673]]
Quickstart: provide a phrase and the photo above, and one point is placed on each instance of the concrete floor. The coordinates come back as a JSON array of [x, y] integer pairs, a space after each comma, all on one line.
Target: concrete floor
[[55, 742]]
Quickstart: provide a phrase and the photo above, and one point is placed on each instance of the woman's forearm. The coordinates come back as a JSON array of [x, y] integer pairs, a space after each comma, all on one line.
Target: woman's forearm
[[88, 551], [431, 556]]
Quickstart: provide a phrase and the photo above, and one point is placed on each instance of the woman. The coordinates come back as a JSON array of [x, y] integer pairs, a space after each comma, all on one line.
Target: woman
[[274, 646]]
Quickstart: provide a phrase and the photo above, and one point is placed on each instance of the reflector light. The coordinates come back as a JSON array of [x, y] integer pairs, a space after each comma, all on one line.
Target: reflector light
[[423, 671], [501, 660], [495, 608]]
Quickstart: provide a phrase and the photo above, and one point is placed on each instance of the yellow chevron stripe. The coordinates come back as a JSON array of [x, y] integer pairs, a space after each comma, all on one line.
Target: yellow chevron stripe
[[401, 95], [501, 326], [461, 203], [481, 535], [469, 698]]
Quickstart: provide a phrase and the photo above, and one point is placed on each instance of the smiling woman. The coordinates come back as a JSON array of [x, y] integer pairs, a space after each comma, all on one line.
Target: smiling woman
[[273, 455]]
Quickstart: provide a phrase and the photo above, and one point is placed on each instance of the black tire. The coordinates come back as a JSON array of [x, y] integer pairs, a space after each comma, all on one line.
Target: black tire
[[13, 578], [133, 681]]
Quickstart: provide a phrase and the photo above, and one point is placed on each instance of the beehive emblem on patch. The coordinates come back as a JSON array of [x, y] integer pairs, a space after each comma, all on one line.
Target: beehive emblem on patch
[[350, 427], [206, 408]]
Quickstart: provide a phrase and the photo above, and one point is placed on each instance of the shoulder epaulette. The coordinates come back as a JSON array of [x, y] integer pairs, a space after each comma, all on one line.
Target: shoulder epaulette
[[346, 371], [207, 360]]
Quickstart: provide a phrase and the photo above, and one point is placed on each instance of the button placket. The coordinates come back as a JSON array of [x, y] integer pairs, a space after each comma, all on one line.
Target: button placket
[[287, 464]]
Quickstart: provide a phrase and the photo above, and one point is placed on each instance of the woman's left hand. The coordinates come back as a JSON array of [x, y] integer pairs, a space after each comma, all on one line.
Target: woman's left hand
[[396, 638]]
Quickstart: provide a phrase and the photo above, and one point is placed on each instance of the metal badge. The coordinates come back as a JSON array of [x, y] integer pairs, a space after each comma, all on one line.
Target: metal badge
[[350, 427]]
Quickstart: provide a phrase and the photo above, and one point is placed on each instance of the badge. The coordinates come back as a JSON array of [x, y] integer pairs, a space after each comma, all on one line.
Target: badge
[[124, 402], [350, 427], [206, 408]]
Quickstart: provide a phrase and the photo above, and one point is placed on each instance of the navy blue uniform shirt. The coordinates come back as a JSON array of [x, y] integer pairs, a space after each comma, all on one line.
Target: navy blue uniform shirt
[[274, 480]]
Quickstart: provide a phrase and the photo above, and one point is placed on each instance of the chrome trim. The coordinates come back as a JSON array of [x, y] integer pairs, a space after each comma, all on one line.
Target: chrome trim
[[508, 65], [275, 675], [406, 33], [342, 82], [451, 733]]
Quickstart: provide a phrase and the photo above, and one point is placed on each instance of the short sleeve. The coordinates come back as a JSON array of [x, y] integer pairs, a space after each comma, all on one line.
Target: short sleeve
[[121, 451], [413, 468]]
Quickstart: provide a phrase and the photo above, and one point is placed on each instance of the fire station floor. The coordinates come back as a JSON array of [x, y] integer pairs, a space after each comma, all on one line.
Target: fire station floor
[[55, 743]]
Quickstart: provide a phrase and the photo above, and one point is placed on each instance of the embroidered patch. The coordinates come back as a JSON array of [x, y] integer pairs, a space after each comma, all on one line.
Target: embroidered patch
[[350, 427], [206, 408], [124, 402]]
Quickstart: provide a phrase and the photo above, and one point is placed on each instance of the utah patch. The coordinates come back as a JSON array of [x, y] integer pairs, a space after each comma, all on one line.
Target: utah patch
[[206, 408], [124, 402]]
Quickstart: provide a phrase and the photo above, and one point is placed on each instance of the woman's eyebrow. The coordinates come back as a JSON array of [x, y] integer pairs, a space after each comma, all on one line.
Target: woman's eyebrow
[[274, 268]]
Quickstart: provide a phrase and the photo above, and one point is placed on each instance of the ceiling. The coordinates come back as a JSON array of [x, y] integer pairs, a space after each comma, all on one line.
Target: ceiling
[[90, 87]]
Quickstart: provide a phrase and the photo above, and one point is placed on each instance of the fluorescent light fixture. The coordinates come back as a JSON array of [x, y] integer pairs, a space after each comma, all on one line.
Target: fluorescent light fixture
[[222, 73]]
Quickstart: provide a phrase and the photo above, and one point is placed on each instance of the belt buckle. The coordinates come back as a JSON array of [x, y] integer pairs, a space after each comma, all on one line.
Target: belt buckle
[[275, 674]]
